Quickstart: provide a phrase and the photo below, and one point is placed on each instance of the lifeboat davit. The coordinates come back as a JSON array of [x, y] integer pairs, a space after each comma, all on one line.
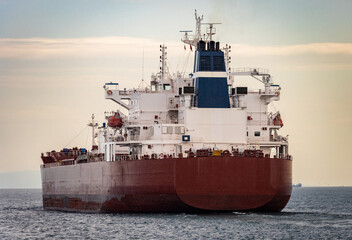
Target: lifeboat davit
[[115, 121]]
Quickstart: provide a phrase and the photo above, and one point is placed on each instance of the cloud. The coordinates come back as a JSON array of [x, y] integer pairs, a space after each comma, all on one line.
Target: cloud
[[292, 50], [45, 48]]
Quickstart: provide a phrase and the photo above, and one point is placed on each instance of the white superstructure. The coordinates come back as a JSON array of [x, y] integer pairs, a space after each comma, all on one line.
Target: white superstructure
[[166, 118]]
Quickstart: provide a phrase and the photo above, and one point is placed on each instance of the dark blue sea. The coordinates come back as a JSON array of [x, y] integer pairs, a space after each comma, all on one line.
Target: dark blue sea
[[312, 213]]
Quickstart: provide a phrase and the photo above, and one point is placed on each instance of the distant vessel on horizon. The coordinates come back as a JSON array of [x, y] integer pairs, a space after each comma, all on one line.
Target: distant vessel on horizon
[[297, 185]]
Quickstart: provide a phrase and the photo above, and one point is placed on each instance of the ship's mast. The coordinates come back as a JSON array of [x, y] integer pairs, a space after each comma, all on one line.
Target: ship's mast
[[164, 71], [198, 26], [198, 34], [227, 50], [93, 125]]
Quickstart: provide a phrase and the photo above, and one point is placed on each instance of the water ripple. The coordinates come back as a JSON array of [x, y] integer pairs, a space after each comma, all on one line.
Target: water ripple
[[312, 213]]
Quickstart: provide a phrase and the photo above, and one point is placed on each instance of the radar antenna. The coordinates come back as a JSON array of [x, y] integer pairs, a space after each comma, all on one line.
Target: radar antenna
[[211, 30], [186, 38], [198, 34]]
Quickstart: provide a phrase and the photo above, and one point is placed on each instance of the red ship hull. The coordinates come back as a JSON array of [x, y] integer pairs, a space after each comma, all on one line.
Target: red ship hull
[[170, 185]]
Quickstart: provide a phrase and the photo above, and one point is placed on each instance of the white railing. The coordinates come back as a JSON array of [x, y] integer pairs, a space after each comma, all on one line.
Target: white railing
[[250, 70]]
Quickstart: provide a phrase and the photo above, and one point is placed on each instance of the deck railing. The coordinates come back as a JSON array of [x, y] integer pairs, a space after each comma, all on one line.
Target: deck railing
[[190, 154]]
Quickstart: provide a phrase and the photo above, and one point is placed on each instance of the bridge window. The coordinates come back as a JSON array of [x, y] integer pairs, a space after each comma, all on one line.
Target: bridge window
[[167, 87], [167, 130], [179, 130]]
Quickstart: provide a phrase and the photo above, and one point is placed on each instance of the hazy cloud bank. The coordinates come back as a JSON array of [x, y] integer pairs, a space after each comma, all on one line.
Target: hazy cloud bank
[[45, 48]]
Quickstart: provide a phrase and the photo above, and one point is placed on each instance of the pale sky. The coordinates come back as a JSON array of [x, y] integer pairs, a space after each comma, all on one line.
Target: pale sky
[[56, 55]]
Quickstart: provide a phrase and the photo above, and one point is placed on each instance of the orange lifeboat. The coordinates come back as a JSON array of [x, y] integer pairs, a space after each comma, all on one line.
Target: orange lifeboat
[[278, 120], [115, 121]]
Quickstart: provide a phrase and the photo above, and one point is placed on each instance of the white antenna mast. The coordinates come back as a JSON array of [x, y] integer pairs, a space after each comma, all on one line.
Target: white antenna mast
[[164, 71], [93, 125], [227, 50], [211, 30], [198, 34], [143, 65], [198, 25], [141, 85]]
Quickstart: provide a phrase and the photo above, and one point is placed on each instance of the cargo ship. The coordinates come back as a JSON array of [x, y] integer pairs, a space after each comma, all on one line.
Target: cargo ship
[[185, 143]]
